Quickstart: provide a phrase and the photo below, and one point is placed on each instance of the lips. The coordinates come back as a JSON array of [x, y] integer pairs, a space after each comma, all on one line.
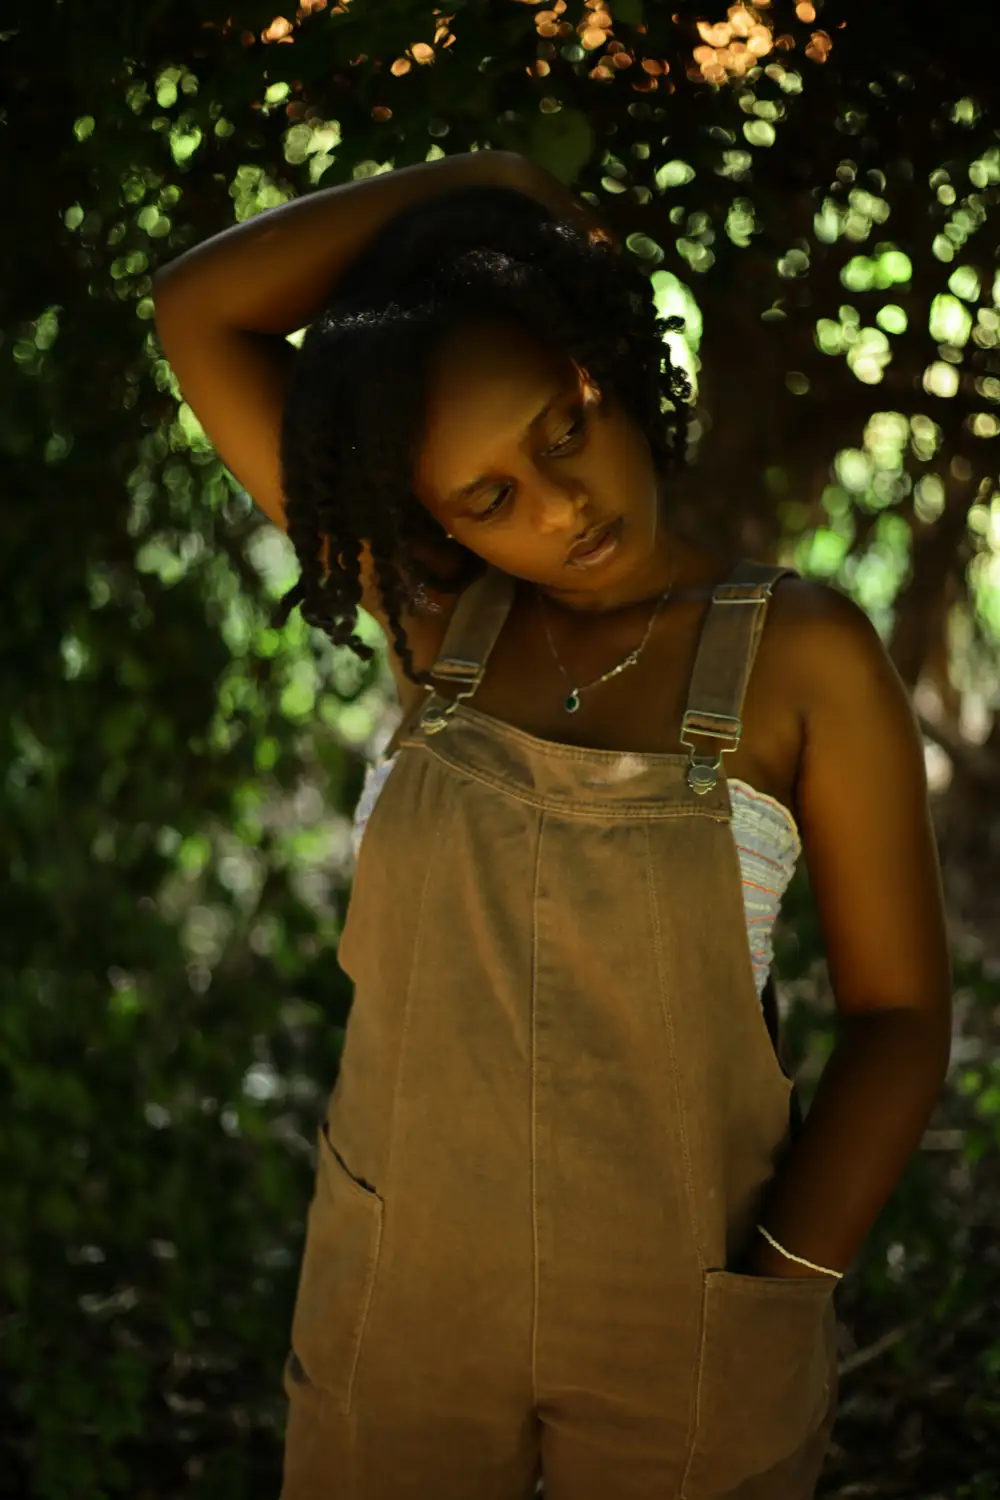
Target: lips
[[592, 540]]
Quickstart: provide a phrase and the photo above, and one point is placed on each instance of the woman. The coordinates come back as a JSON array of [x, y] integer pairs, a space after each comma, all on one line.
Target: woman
[[560, 1228]]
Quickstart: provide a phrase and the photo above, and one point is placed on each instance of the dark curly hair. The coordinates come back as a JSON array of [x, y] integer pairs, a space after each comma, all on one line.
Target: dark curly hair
[[355, 406]]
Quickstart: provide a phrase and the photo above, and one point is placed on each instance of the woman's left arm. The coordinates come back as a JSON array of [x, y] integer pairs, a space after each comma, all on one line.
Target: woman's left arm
[[873, 867]]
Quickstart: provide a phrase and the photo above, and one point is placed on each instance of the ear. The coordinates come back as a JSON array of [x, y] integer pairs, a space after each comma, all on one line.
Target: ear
[[590, 390]]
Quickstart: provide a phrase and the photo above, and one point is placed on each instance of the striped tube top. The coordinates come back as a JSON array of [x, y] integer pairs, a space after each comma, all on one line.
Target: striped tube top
[[767, 843]]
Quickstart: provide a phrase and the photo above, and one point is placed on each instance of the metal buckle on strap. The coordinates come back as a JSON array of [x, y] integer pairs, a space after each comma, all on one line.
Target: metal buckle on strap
[[455, 668], [703, 770], [438, 711], [741, 593]]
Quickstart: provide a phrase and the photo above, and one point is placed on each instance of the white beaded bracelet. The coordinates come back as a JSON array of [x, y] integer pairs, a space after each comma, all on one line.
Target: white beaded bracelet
[[798, 1258]]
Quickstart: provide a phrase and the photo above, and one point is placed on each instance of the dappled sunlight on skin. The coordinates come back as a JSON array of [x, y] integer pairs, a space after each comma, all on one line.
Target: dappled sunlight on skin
[[519, 494]]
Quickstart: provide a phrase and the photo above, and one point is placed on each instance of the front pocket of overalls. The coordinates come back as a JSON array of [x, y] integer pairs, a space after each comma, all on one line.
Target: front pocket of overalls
[[763, 1378], [343, 1237]]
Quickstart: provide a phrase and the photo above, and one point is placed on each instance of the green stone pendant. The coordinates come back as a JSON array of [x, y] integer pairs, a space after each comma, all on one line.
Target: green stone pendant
[[572, 702]]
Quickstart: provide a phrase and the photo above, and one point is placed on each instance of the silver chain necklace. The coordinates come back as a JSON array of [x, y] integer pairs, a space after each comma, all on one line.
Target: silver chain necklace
[[572, 701]]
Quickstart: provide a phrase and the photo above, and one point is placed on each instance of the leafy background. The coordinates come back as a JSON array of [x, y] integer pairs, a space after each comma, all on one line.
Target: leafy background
[[816, 188]]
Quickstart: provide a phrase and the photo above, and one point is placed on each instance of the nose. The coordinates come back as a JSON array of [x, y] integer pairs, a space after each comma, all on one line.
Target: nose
[[560, 508]]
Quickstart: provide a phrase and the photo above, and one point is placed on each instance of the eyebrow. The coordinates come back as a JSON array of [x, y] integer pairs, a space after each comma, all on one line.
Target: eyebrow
[[457, 496]]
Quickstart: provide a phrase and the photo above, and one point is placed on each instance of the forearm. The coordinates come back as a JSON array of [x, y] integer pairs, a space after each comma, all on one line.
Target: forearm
[[871, 1108], [273, 273]]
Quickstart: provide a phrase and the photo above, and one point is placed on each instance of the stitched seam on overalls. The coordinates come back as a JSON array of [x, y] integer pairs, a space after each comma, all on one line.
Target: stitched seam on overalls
[[654, 759], [618, 811], [695, 1424], [404, 1030], [534, 1140], [672, 1044], [681, 1122]]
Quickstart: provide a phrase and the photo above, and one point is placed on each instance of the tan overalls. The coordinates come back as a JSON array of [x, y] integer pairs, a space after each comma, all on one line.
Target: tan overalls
[[556, 1110]]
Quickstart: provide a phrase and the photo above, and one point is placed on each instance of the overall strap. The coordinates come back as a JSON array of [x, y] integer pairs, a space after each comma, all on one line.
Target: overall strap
[[726, 652], [473, 630]]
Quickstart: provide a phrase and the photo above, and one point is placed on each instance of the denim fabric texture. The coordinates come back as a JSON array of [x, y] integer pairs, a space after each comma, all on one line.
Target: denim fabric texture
[[558, 1106]]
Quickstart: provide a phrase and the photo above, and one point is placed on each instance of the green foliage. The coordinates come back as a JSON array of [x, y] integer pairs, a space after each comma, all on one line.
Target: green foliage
[[177, 776]]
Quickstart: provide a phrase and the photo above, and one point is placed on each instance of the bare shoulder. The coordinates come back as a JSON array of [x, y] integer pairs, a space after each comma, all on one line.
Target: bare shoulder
[[821, 651], [805, 599], [823, 632], [801, 611]]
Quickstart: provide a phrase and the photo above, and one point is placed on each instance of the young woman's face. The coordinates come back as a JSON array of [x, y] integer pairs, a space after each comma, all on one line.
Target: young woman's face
[[522, 457]]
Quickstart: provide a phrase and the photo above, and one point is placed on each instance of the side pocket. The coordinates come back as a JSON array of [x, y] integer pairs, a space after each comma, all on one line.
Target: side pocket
[[343, 1239], [764, 1380]]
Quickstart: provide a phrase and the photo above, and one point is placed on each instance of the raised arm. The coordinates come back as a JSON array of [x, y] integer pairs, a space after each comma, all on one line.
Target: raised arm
[[273, 273], [224, 308]]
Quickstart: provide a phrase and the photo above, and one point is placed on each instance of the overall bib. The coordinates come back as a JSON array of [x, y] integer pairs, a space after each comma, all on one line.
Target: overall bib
[[557, 1109]]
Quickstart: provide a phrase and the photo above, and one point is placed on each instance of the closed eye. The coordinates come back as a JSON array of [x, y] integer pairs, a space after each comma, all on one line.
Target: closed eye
[[564, 443], [573, 432]]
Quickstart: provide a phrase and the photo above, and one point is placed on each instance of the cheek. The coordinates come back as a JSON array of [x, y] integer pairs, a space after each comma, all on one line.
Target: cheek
[[516, 548], [619, 460], [498, 544]]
